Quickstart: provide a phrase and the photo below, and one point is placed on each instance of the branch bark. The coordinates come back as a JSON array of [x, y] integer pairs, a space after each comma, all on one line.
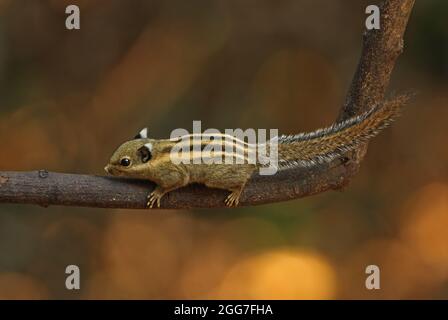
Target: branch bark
[[381, 49]]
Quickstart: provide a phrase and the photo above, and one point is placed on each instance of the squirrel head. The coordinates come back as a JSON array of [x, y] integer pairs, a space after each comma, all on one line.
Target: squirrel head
[[131, 156]]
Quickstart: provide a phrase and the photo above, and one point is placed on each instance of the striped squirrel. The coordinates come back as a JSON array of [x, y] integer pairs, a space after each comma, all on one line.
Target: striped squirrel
[[152, 159]]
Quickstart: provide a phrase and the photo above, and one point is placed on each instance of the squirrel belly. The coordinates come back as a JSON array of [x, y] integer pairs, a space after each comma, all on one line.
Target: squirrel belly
[[232, 177]]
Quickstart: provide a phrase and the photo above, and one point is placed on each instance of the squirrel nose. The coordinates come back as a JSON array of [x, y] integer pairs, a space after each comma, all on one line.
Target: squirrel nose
[[107, 168]]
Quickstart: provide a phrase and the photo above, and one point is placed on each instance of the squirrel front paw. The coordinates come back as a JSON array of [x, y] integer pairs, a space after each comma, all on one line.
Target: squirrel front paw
[[154, 198], [233, 199]]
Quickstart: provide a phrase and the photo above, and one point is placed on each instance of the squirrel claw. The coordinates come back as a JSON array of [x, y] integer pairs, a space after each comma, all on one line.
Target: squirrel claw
[[154, 199], [232, 199]]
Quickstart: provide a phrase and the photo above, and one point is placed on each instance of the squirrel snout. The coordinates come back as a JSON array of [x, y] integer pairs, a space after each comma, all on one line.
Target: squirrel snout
[[107, 168]]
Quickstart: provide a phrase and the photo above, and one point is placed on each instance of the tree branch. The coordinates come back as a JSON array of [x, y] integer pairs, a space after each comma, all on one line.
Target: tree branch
[[381, 49]]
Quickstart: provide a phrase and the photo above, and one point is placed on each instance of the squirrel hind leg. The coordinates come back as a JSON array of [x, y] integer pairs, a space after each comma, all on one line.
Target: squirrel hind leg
[[235, 188]]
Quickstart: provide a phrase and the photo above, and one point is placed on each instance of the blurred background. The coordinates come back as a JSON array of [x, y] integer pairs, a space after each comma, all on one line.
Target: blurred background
[[69, 98]]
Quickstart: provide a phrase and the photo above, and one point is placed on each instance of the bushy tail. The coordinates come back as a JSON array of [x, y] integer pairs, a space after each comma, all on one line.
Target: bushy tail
[[324, 145]]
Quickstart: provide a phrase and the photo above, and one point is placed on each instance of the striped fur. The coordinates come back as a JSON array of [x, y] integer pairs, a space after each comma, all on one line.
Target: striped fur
[[216, 148]]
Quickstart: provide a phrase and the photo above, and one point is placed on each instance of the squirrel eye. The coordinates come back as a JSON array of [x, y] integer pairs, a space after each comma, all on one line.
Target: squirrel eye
[[125, 162]]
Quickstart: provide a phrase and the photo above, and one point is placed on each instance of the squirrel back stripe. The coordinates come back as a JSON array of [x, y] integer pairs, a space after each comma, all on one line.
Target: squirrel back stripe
[[324, 145]]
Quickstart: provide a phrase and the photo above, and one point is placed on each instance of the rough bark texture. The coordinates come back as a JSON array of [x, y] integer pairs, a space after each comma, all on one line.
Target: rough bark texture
[[381, 49]]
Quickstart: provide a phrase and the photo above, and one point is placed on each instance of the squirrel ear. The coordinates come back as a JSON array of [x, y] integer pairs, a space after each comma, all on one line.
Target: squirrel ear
[[143, 134], [144, 152]]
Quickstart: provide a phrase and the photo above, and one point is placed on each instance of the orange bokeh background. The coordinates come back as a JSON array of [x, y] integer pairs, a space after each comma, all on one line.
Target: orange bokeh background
[[68, 98]]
